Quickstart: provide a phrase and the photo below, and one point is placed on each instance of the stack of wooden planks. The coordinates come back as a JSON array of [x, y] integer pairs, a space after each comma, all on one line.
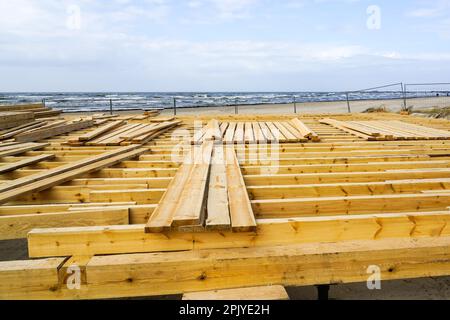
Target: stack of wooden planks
[[256, 132], [388, 130], [14, 149], [49, 178], [207, 193], [11, 119], [38, 110], [119, 132]]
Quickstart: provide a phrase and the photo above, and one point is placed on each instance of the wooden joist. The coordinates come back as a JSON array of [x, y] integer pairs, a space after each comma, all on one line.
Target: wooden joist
[[191, 208], [55, 131], [289, 265], [18, 226], [242, 217], [97, 132], [25, 162], [50, 178], [269, 232], [218, 209], [17, 149]]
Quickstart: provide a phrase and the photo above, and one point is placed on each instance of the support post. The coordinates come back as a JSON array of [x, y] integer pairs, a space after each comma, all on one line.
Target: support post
[[236, 109], [323, 292], [404, 96], [295, 105], [174, 106], [43, 102], [348, 103], [110, 106]]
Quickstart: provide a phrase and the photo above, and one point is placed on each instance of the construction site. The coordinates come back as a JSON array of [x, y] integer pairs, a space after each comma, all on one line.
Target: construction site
[[219, 206]]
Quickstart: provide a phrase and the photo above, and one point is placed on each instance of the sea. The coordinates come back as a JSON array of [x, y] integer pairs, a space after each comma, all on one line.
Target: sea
[[123, 101]]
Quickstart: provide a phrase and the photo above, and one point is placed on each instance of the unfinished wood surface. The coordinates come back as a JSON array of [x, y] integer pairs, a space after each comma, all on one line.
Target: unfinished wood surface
[[18, 226], [191, 208], [218, 211], [253, 293], [50, 178], [18, 149], [389, 130], [241, 212], [343, 188], [294, 265], [99, 131], [25, 162], [47, 133], [161, 219]]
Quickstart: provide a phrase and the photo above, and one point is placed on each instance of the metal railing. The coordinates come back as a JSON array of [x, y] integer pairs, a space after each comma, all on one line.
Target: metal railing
[[391, 96], [429, 95]]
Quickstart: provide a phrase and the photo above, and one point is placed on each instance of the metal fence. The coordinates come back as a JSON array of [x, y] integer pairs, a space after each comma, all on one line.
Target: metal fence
[[427, 95], [393, 97]]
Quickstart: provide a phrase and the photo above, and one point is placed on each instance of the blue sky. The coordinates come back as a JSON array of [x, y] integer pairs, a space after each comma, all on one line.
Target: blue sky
[[221, 45]]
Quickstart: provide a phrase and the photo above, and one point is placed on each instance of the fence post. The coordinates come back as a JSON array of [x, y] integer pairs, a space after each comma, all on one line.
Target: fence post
[[174, 106], [404, 96], [348, 103], [43, 102], [110, 106], [295, 105], [236, 109]]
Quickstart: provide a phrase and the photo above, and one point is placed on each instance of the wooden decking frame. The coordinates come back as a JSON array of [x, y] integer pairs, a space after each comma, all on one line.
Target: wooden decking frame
[[324, 212]]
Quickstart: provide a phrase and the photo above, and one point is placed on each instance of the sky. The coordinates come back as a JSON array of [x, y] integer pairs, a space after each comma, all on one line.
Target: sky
[[221, 45]]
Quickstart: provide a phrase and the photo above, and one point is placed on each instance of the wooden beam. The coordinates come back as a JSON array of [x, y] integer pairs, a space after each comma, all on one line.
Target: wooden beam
[[59, 170], [191, 208], [58, 178], [269, 232], [25, 162], [302, 207], [48, 133], [218, 207], [296, 265], [99, 131], [15, 150], [242, 217], [18, 226]]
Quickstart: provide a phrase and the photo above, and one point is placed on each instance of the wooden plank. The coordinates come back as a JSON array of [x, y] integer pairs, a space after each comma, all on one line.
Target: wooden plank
[[24, 128], [29, 184], [48, 133], [18, 226], [161, 219], [242, 217], [143, 131], [217, 207], [26, 279], [249, 136], [159, 274], [25, 162], [191, 208], [99, 131], [229, 135], [266, 293], [239, 133], [22, 148], [71, 166], [269, 232], [305, 130], [259, 136], [322, 206], [213, 132]]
